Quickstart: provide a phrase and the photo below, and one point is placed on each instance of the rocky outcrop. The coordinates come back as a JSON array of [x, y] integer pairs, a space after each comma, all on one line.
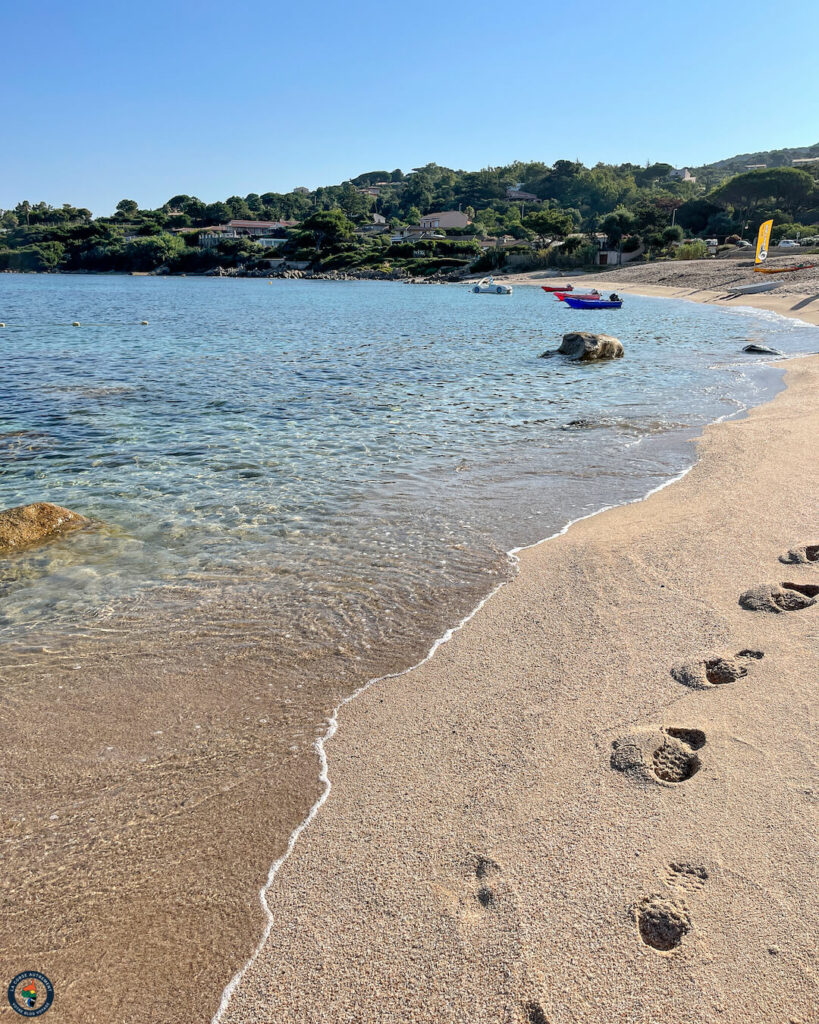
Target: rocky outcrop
[[32, 524], [582, 346], [762, 350]]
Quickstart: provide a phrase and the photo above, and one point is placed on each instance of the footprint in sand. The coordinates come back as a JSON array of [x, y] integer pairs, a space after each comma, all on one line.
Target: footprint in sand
[[534, 1014], [681, 874], [801, 555], [486, 870], [663, 921], [666, 755], [716, 671], [789, 597]]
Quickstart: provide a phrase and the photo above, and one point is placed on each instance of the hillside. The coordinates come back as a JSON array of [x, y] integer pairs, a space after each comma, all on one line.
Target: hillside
[[712, 174]]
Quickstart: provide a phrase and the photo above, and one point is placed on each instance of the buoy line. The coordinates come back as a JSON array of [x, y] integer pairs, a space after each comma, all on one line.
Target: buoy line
[[77, 323]]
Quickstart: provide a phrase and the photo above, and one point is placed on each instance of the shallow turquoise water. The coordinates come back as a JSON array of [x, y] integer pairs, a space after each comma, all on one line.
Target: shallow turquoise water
[[339, 451]]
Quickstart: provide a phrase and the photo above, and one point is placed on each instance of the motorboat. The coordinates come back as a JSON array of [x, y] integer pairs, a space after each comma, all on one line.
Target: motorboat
[[557, 287], [489, 286], [593, 294], [599, 303]]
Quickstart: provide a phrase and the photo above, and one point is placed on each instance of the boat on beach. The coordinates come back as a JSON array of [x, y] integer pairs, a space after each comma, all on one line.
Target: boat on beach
[[600, 303], [593, 294], [488, 286], [753, 289], [785, 270]]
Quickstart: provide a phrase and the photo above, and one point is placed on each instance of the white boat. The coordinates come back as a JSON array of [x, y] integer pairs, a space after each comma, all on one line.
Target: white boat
[[488, 286]]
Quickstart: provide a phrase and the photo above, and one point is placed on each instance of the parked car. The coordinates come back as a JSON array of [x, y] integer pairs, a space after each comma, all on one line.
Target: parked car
[[744, 245], [788, 243]]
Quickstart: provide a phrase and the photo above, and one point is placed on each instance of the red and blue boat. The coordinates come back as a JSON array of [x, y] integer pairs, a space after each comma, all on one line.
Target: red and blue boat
[[562, 296], [598, 303]]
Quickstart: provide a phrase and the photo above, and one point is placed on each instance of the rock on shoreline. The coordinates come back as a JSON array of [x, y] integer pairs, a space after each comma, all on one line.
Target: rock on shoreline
[[586, 347], [30, 524]]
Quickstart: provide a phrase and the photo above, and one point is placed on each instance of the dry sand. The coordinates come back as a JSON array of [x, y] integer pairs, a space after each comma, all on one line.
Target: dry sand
[[517, 825]]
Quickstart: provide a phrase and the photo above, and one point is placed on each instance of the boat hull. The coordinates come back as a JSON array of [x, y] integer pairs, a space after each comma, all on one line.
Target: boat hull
[[575, 303]]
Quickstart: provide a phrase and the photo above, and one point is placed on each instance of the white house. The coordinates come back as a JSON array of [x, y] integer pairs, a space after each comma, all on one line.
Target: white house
[[683, 174]]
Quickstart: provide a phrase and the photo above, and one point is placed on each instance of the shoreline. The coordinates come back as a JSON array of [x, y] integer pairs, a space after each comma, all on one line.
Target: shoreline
[[802, 305], [255, 971]]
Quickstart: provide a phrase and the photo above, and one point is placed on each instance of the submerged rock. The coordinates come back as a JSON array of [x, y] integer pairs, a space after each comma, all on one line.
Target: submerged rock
[[30, 524], [586, 347], [762, 350]]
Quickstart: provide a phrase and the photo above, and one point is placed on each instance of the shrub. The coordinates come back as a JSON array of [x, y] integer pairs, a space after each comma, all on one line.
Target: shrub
[[694, 249], [780, 231]]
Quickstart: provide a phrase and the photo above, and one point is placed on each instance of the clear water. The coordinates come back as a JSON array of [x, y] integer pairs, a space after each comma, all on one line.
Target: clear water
[[321, 457]]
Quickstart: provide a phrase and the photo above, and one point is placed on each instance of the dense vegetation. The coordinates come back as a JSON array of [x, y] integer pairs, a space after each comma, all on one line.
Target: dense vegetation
[[635, 207]]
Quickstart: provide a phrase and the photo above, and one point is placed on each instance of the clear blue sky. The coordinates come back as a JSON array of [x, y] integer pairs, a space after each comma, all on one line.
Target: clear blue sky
[[108, 100]]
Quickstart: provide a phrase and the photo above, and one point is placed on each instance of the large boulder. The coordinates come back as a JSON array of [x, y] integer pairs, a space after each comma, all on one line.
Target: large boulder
[[30, 524], [586, 347]]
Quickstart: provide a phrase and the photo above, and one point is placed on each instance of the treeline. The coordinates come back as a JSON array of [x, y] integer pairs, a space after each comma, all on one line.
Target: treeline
[[633, 206]]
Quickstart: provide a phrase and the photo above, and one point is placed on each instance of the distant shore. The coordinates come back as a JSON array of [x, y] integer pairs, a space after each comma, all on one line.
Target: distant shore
[[566, 814]]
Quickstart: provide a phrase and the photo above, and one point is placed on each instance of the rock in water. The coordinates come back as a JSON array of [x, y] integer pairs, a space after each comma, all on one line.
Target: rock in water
[[585, 347], [762, 349], [30, 524]]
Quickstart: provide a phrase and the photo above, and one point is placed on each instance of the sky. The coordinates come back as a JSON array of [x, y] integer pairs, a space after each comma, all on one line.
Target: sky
[[109, 100]]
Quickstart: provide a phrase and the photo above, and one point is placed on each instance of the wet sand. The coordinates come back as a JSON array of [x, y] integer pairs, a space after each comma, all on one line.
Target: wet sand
[[136, 832], [576, 811]]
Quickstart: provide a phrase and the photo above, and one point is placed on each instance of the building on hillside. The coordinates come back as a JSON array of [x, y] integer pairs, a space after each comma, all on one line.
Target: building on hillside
[[682, 174], [804, 161], [377, 225], [260, 231], [755, 167], [445, 219], [413, 232], [302, 191], [370, 190], [256, 228], [515, 195]]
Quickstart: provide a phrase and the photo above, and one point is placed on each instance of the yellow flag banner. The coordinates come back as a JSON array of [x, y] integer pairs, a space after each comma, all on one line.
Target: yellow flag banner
[[762, 241]]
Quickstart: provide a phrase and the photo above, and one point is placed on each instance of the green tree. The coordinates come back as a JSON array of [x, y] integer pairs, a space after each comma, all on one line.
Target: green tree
[[549, 223], [789, 187], [127, 208], [327, 227]]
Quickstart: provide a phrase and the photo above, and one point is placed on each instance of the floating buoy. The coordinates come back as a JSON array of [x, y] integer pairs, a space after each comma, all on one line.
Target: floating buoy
[[2, 325], [144, 323], [76, 323]]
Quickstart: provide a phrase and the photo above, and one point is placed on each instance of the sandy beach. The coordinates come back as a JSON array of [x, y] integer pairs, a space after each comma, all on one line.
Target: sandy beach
[[595, 803]]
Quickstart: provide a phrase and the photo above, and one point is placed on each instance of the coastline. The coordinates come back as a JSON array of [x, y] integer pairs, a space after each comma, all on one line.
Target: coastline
[[401, 886], [221, 790]]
